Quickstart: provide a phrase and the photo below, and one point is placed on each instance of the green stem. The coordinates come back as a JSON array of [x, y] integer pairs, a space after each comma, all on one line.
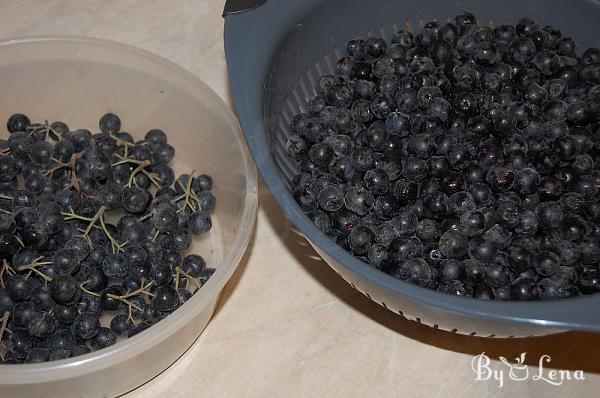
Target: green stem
[[138, 291], [130, 317], [88, 291], [179, 271], [196, 199], [9, 269], [41, 274], [74, 181], [113, 241], [121, 142], [125, 301], [146, 216], [89, 241], [59, 165], [49, 130], [141, 166], [124, 298], [98, 216], [129, 160], [73, 216], [154, 179], [3, 325], [32, 267], [18, 238], [5, 268], [187, 194], [6, 197], [34, 264]]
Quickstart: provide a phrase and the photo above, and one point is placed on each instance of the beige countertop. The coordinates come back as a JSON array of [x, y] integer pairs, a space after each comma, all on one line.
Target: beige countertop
[[288, 326]]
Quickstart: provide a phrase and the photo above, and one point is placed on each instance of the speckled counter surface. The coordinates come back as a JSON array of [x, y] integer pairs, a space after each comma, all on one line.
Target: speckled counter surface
[[288, 326]]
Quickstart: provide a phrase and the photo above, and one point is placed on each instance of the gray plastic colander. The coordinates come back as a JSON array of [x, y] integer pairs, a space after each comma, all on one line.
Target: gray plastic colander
[[276, 50]]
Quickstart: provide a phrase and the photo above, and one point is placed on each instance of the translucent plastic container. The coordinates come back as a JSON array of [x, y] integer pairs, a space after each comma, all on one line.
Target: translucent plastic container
[[77, 80]]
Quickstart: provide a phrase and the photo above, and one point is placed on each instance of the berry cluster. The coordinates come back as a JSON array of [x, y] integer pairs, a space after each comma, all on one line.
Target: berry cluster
[[463, 158], [93, 234]]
